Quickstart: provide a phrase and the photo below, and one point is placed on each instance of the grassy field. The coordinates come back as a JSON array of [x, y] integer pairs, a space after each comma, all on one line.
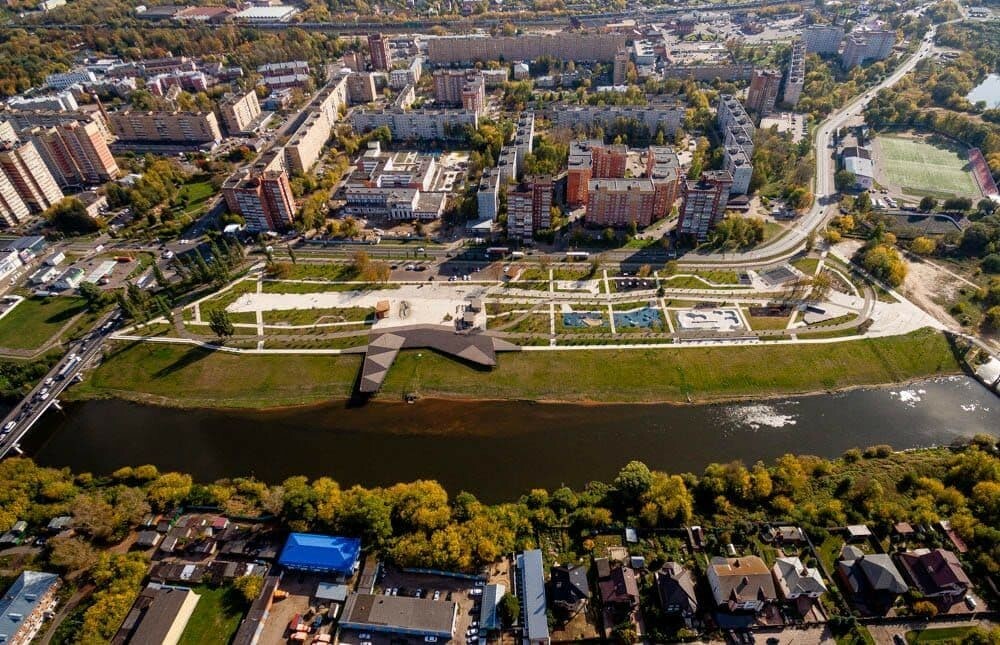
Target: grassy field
[[216, 617], [194, 377], [925, 168], [942, 635], [35, 320]]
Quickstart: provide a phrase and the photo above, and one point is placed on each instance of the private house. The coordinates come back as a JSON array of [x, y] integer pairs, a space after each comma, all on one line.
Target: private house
[[871, 580], [741, 584], [903, 530], [675, 586], [569, 590], [785, 535], [936, 574], [857, 532], [795, 580], [620, 593]]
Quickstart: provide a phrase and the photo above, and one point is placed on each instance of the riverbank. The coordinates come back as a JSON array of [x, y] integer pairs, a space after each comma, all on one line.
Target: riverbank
[[182, 376]]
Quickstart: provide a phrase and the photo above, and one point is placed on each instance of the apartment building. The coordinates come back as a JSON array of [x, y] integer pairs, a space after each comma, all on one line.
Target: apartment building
[[524, 137], [166, 127], [495, 77], [75, 153], [763, 92], [867, 44], [65, 80], [409, 75], [507, 165], [381, 55], [707, 72], [189, 81], [264, 199], [428, 125], [361, 88], [529, 207], [663, 168], [29, 175], [703, 203], [306, 143], [13, 210], [592, 160], [454, 87], [666, 116], [737, 132], [620, 67], [620, 202], [239, 112], [822, 39], [795, 77], [488, 195], [447, 50], [21, 120]]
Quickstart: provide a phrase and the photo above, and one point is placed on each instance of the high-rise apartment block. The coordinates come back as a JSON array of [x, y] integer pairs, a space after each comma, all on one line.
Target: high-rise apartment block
[[239, 112], [524, 136], [75, 153], [264, 199], [704, 203], [592, 160], [620, 69], [409, 75], [620, 202], [763, 92], [456, 87], [795, 78], [166, 127], [737, 131], [381, 56], [529, 205], [867, 44], [29, 176], [822, 39], [577, 46], [361, 88]]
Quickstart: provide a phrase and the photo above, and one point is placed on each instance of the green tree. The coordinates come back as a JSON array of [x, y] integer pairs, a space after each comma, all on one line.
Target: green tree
[[927, 204], [509, 610], [220, 324]]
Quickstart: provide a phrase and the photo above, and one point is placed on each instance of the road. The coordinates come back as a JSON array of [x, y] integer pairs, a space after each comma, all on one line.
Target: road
[[47, 391], [825, 192]]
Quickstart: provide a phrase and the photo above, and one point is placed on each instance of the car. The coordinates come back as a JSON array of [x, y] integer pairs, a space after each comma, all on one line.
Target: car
[[420, 268], [50, 381], [395, 591], [419, 593], [365, 636], [44, 395], [430, 639], [10, 426], [970, 602], [451, 279], [898, 639], [408, 267], [437, 595], [388, 592]]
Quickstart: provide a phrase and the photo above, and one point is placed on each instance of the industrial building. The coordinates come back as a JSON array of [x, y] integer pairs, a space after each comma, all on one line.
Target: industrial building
[[400, 615], [159, 615], [321, 553], [530, 580]]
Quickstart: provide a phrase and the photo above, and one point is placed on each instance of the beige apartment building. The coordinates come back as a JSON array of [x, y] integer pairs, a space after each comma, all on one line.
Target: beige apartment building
[[166, 127], [563, 46], [76, 153], [29, 175], [239, 112]]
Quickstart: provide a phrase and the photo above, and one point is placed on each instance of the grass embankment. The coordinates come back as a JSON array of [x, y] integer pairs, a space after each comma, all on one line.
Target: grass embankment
[[35, 320], [939, 635], [185, 376]]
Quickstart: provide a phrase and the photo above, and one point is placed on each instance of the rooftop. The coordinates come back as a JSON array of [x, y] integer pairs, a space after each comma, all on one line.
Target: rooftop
[[401, 614]]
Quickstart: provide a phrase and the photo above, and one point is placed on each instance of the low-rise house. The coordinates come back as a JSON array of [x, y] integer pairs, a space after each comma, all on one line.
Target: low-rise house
[[903, 530], [936, 574], [569, 590], [741, 584], [785, 535], [858, 532], [871, 579], [675, 586], [620, 592], [795, 580]]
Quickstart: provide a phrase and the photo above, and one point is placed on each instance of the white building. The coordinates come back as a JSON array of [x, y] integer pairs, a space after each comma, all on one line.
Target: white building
[[63, 80], [279, 13]]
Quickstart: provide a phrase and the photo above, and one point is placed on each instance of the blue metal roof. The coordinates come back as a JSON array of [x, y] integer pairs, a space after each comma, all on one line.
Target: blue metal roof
[[22, 599], [314, 552], [532, 578]]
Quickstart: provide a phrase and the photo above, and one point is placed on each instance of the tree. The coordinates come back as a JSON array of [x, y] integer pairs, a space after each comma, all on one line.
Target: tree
[[509, 610], [633, 481], [844, 179], [70, 217], [991, 319], [925, 609], [923, 245], [927, 204], [220, 324], [96, 297], [249, 587], [884, 262], [72, 554]]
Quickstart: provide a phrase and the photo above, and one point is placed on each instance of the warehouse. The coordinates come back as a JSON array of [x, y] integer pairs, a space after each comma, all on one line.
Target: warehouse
[[402, 615], [321, 553]]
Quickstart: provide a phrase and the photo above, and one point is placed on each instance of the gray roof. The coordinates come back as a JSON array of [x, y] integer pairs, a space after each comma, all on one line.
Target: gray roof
[[399, 614], [488, 612], [795, 578], [879, 572], [532, 579], [22, 598]]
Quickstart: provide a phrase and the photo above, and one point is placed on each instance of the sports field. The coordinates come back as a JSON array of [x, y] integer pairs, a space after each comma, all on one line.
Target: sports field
[[920, 168]]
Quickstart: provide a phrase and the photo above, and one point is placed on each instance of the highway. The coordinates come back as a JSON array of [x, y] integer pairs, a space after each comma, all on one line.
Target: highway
[[47, 391]]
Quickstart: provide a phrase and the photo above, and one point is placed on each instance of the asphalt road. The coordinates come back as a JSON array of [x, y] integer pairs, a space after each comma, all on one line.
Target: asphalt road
[[30, 409]]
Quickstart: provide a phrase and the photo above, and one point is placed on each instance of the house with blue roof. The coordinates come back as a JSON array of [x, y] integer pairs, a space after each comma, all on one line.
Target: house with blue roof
[[321, 553]]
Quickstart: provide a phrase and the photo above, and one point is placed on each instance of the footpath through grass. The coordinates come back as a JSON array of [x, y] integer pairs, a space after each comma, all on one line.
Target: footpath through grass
[[35, 320], [186, 376]]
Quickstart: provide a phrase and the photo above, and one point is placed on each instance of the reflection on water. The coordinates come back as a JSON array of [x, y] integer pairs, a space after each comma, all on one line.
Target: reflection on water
[[499, 450]]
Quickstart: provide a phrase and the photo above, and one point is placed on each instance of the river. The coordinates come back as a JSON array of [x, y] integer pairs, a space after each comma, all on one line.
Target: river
[[499, 450]]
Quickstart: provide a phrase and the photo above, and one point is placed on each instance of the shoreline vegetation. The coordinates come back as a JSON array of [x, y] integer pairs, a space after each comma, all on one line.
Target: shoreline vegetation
[[180, 376]]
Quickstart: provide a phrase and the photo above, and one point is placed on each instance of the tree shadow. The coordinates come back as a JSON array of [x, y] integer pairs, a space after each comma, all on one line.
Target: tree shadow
[[189, 358]]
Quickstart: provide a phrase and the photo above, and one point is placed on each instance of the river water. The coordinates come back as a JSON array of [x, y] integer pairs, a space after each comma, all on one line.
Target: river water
[[499, 450]]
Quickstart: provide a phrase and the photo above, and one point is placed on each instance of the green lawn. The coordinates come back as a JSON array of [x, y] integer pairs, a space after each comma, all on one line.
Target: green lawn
[[942, 635], [35, 320], [190, 376], [216, 617], [806, 265], [925, 168], [192, 196]]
